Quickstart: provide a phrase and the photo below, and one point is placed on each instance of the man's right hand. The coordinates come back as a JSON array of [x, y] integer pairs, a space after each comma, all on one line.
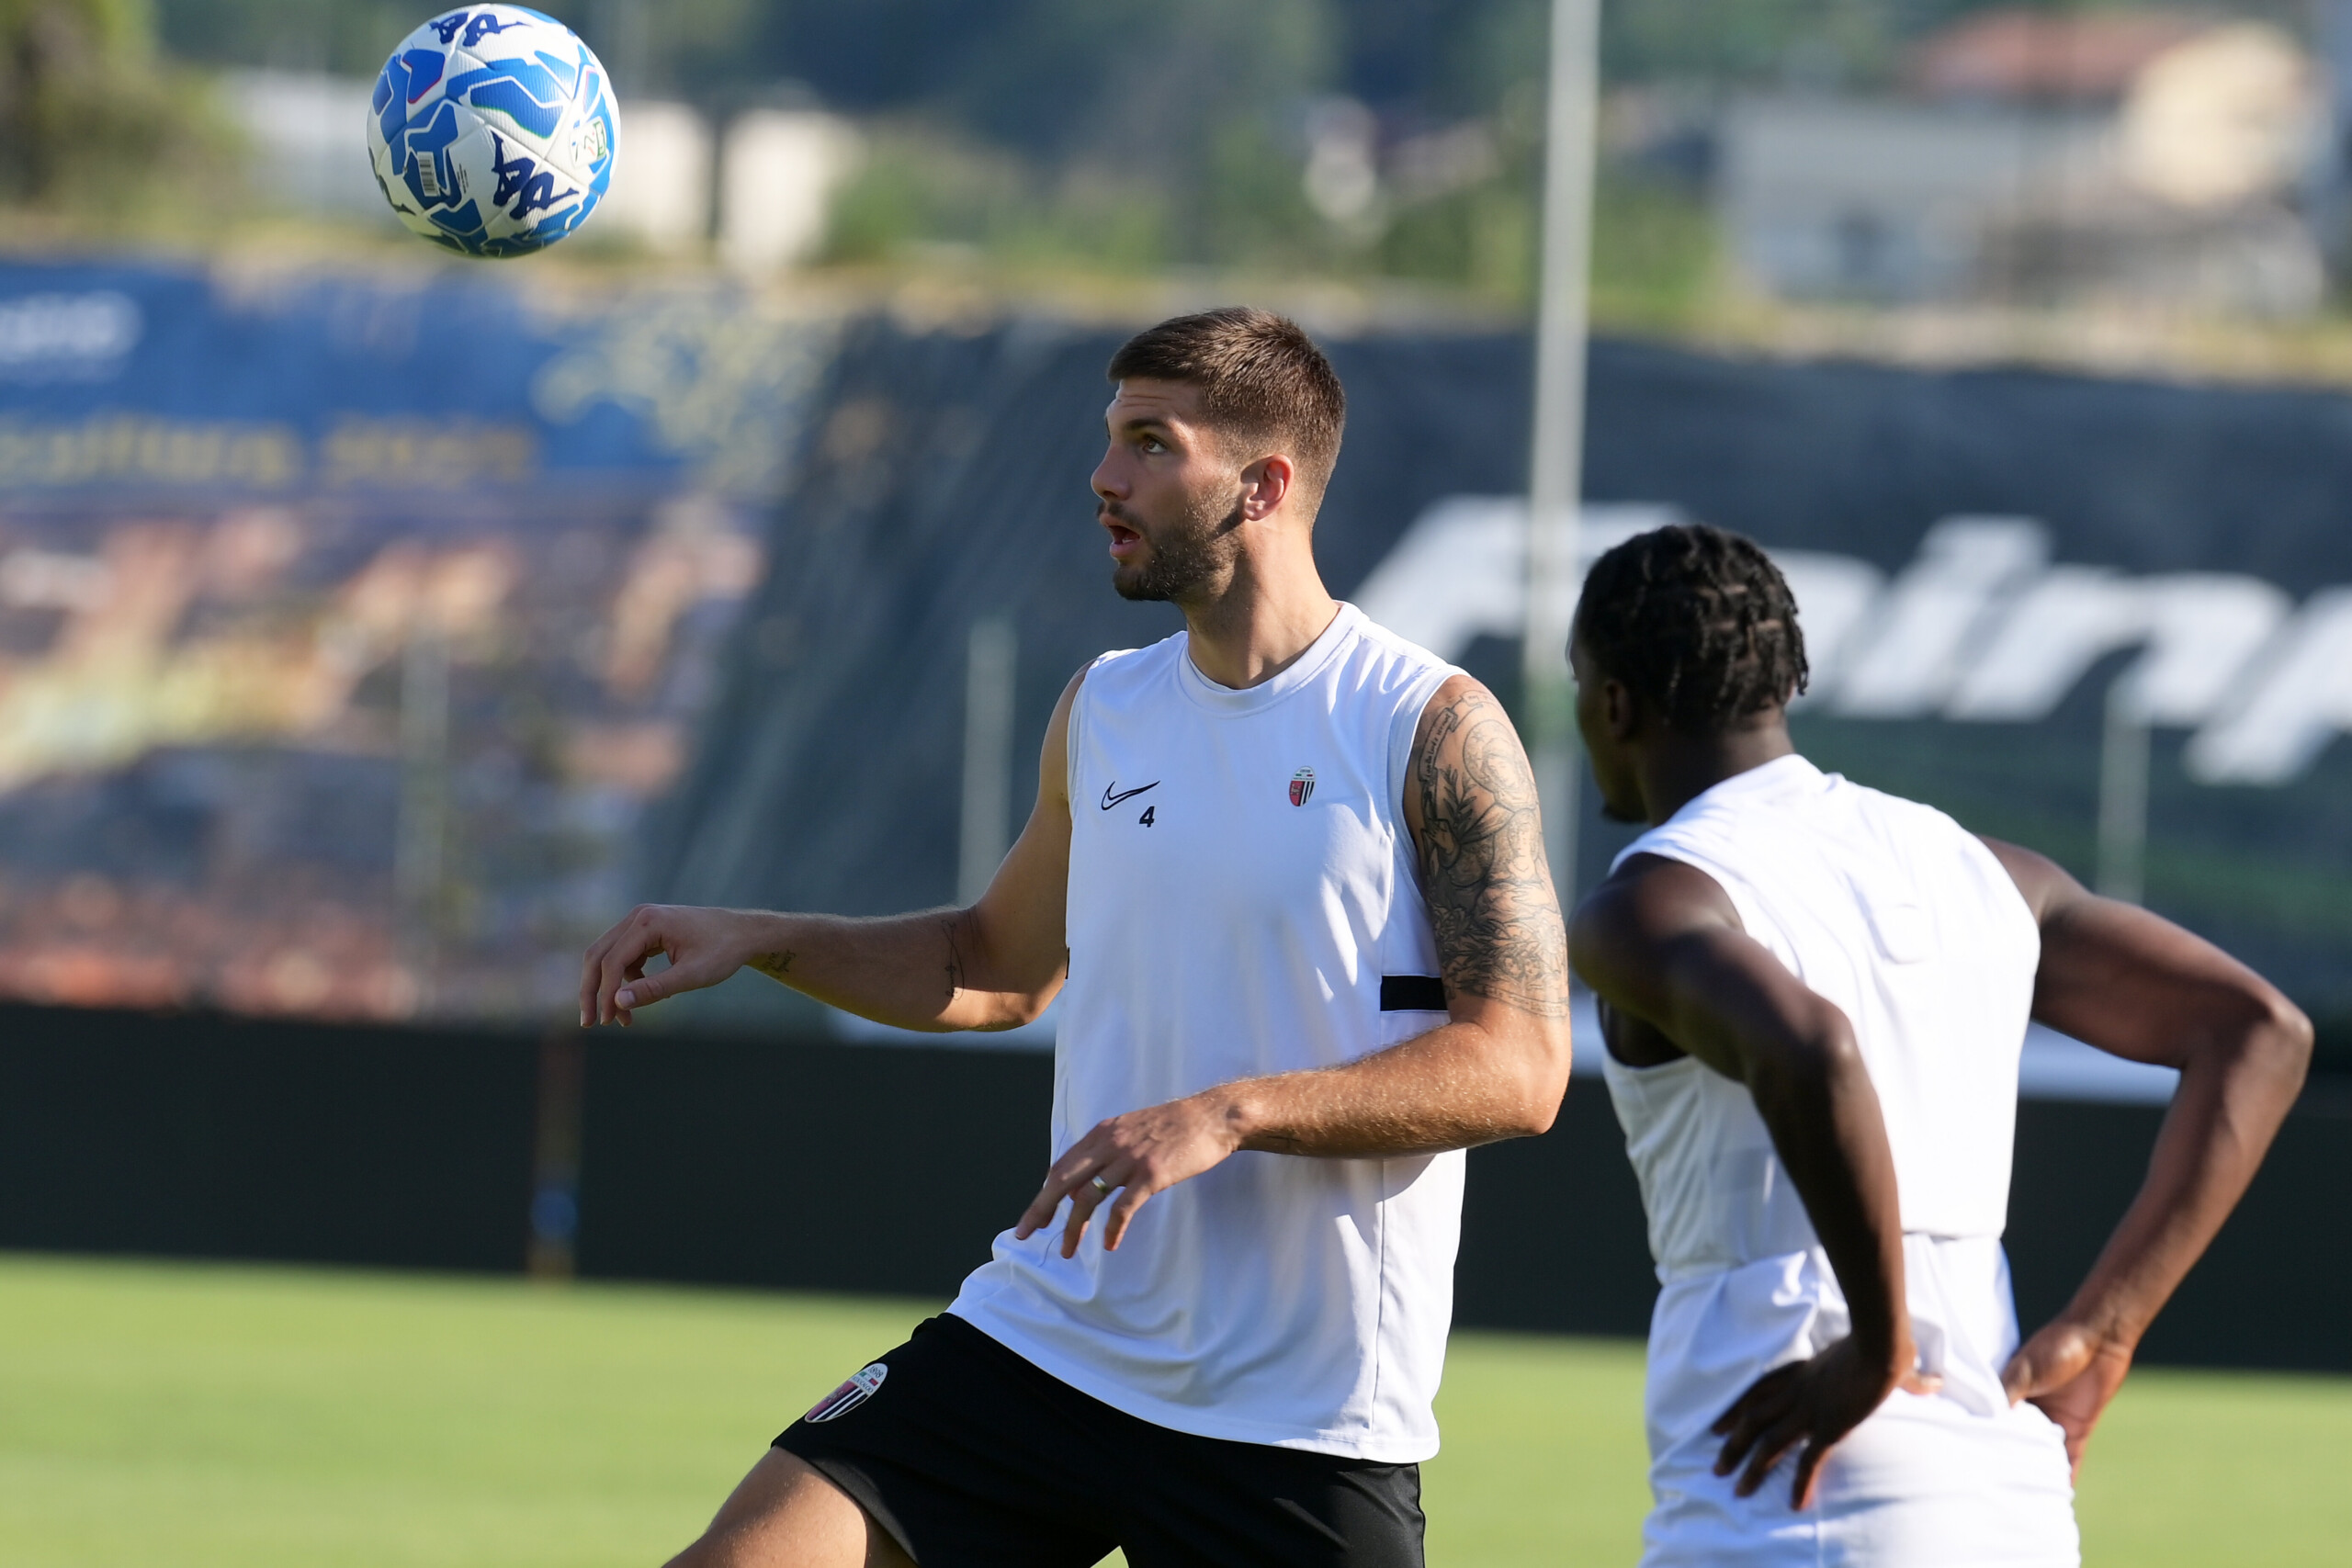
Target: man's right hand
[[1808, 1407], [993, 965], [704, 947]]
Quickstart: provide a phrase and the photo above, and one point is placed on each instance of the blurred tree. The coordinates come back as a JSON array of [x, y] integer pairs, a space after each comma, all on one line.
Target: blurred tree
[[1144, 133], [1025, 71], [1820, 41], [925, 194], [1442, 59], [1206, 99], [674, 47], [1129, 134], [348, 36], [90, 120]]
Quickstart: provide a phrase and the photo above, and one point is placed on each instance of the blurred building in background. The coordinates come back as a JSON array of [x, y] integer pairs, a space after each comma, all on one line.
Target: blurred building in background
[[1881, 153], [300, 153], [776, 185], [2145, 157], [661, 178], [773, 180]]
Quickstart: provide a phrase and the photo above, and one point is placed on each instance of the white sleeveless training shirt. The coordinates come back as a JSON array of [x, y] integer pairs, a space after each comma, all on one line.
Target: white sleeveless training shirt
[[1905, 921], [1240, 879]]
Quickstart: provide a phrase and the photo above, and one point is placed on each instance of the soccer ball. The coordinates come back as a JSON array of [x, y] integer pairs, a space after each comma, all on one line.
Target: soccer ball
[[492, 131]]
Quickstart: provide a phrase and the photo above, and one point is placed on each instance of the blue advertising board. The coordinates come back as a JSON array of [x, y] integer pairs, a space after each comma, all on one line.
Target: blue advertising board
[[120, 379], [346, 623]]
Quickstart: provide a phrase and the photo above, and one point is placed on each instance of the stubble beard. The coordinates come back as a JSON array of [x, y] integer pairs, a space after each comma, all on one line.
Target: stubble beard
[[1183, 558]]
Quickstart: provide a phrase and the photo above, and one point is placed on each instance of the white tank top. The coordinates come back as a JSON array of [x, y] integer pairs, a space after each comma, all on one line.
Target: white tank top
[[1905, 920], [1240, 880]]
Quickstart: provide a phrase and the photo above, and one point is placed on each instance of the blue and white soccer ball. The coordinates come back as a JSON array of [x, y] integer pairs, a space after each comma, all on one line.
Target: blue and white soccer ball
[[493, 131]]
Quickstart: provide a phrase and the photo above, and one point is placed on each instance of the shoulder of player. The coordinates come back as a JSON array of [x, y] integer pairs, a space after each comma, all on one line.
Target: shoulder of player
[[1120, 669], [1068, 699], [1053, 767], [1648, 898], [1459, 702], [2043, 883], [1627, 937], [1901, 810], [1372, 632], [1398, 661], [1121, 675], [1111, 674]]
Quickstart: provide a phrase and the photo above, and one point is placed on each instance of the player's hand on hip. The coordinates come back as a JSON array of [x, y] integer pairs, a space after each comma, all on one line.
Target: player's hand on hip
[[2070, 1370], [1134, 1156], [1806, 1406], [704, 947]]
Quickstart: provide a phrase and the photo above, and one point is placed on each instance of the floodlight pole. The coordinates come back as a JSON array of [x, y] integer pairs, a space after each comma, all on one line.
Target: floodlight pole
[[992, 647], [419, 843], [1556, 465], [2123, 792]]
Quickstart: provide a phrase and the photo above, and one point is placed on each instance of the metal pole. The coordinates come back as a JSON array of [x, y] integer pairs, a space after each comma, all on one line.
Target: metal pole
[[424, 804], [2328, 185], [1555, 477], [2123, 792], [989, 655], [550, 1254]]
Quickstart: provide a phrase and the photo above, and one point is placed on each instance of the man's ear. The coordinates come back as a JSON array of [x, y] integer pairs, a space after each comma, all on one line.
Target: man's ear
[[1620, 714], [1264, 484]]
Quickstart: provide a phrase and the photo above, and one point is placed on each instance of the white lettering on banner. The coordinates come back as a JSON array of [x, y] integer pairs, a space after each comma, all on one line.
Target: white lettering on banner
[[1978, 627], [66, 336], [2054, 630], [1909, 655], [1836, 593], [2300, 697], [2200, 630], [1460, 571], [2203, 628]]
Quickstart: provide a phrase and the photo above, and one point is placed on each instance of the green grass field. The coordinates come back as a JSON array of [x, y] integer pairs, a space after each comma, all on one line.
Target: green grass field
[[185, 1416]]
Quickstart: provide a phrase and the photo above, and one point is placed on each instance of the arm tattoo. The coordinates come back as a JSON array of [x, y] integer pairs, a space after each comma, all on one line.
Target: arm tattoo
[[774, 966], [955, 959], [1490, 896]]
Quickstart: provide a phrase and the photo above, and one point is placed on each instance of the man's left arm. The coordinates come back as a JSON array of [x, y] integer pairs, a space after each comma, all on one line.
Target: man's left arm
[[1497, 1069], [2139, 987]]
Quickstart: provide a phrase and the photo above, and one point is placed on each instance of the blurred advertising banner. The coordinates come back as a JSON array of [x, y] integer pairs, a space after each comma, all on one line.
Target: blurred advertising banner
[[2110, 620], [346, 627], [366, 645]]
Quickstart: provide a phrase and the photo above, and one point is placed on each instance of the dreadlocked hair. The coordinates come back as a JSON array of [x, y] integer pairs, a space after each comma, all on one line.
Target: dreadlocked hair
[[1697, 622]]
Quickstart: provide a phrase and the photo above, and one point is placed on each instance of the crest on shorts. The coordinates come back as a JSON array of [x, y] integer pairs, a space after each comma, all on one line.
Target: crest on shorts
[[1302, 786], [851, 1394]]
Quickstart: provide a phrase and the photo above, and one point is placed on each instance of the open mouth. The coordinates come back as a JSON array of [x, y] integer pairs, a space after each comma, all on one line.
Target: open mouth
[[1124, 539]]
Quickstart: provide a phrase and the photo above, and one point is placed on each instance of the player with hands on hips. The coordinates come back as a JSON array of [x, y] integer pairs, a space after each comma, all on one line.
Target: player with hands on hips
[[1813, 997]]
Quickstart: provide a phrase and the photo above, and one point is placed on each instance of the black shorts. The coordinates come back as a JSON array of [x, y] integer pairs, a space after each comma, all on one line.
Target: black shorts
[[968, 1454]]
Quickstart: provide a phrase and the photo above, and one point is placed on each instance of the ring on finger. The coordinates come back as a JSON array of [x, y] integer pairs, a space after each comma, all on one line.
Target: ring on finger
[[1101, 1188]]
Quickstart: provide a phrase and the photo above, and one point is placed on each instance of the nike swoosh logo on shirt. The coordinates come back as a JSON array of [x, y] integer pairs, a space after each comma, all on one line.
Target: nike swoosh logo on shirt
[[1109, 800]]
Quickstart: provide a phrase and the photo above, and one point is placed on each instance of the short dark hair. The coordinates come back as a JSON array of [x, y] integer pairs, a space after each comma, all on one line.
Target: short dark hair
[[1259, 374], [1697, 622]]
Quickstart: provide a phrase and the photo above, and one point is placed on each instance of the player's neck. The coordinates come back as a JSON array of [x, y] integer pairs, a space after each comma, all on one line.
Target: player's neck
[[1267, 614], [1676, 768]]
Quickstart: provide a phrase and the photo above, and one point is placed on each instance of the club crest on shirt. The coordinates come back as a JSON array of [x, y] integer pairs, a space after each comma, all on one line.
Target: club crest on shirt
[[851, 1394], [1302, 786]]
